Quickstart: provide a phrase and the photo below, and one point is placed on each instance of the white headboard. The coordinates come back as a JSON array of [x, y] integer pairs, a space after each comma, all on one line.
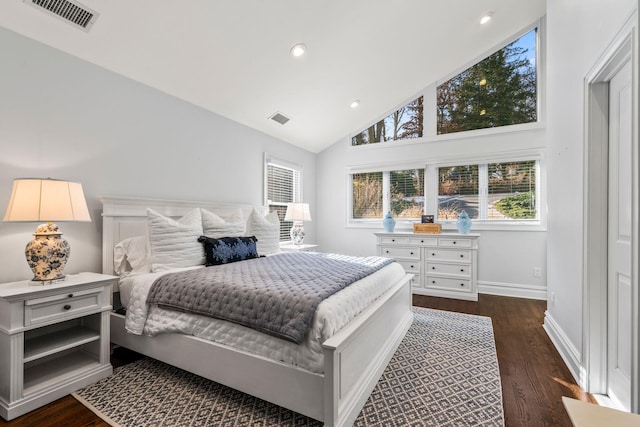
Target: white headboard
[[124, 217]]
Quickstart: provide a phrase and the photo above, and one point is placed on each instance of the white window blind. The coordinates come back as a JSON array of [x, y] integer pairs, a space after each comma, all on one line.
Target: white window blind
[[283, 186]]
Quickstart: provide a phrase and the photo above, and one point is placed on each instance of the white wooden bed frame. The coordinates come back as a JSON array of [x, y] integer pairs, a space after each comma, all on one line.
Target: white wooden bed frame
[[354, 358]]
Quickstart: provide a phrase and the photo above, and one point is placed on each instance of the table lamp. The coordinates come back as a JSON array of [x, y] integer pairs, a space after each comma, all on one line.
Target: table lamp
[[34, 199], [297, 212]]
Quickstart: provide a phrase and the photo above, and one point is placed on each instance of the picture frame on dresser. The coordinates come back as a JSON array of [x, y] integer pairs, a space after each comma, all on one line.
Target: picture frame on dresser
[[443, 265]]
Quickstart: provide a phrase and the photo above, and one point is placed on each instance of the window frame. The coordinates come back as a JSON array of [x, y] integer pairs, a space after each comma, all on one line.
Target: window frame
[[431, 191], [297, 196]]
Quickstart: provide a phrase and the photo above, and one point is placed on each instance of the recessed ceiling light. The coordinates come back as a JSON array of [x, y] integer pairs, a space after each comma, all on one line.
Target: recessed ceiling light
[[486, 18], [298, 49], [355, 103]]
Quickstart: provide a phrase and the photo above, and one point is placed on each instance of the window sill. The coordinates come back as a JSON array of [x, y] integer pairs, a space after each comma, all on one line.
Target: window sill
[[447, 226]]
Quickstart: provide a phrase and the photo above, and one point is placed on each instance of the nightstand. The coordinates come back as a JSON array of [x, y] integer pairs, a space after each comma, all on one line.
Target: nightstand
[[54, 339], [298, 248]]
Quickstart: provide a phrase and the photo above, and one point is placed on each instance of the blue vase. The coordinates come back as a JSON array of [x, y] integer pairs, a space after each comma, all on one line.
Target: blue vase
[[389, 223], [463, 223]]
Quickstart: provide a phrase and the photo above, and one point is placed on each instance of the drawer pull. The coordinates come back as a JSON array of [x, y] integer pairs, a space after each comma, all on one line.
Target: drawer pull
[[461, 284], [67, 307], [461, 256], [411, 253], [454, 242], [462, 270], [433, 281], [433, 268], [70, 295], [412, 266], [421, 241], [387, 251], [433, 254]]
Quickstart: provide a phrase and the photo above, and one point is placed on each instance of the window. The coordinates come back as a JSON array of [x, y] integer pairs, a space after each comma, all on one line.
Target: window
[[283, 185], [400, 192], [504, 192], [402, 124], [494, 191], [500, 90]]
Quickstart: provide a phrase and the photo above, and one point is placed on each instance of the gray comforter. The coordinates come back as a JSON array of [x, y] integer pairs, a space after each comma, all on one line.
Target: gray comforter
[[277, 295]]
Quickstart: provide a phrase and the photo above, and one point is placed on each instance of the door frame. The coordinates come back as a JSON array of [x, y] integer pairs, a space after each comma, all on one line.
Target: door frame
[[596, 143]]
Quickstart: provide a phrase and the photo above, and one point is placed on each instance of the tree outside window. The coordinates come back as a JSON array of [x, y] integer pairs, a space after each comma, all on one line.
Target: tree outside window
[[402, 124], [500, 90]]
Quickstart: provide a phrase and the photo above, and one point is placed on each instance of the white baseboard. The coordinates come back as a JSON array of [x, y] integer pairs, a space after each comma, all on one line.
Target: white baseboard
[[512, 290], [569, 353]]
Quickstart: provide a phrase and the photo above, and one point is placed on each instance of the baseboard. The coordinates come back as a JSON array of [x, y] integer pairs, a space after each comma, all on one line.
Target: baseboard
[[569, 353], [512, 290]]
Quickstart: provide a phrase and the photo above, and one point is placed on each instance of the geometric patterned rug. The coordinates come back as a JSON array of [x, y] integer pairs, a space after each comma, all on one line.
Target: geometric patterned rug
[[445, 373]]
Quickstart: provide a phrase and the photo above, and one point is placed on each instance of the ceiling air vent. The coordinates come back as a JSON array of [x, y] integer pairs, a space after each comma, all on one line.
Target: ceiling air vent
[[69, 10], [280, 118]]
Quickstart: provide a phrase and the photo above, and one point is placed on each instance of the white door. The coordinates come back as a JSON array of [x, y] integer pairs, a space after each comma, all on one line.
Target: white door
[[619, 347]]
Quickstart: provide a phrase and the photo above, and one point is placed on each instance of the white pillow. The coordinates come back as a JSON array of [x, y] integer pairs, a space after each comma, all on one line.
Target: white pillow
[[267, 231], [217, 227], [174, 244], [130, 256]]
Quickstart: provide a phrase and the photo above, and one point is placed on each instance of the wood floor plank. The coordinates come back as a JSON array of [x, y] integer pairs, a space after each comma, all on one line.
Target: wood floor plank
[[534, 377]]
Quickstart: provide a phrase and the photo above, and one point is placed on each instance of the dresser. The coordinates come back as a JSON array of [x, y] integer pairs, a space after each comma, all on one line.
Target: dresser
[[54, 339], [443, 265]]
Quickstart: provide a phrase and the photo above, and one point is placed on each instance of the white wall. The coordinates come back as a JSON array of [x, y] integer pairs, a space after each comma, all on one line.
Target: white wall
[[578, 32], [64, 118], [506, 258]]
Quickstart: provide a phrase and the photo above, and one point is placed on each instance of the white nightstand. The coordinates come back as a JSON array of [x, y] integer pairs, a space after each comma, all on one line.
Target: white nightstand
[[54, 339], [299, 248]]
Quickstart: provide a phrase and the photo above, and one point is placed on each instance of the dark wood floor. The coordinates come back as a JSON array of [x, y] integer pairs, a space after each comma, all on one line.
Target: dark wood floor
[[534, 377]]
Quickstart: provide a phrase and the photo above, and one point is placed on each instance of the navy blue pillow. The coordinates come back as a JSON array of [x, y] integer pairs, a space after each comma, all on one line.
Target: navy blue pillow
[[228, 249]]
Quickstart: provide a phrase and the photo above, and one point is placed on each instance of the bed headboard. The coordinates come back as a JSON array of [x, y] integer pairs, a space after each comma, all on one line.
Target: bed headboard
[[124, 217]]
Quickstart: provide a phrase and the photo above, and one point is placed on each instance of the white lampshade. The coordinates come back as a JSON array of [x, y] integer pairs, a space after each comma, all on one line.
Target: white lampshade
[[297, 212], [35, 199]]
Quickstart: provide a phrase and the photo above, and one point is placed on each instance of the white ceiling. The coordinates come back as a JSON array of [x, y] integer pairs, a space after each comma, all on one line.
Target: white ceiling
[[232, 57]]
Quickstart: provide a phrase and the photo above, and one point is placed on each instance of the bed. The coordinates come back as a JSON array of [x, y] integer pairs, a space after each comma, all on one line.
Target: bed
[[333, 390]]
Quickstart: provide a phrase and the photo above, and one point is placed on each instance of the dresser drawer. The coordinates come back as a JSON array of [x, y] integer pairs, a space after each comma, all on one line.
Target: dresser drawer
[[452, 242], [409, 240], [55, 308], [460, 285], [400, 252], [450, 269], [448, 255], [415, 282], [410, 266]]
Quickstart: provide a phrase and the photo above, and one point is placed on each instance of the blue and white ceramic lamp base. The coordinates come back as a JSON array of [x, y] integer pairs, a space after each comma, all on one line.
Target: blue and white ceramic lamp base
[[47, 253]]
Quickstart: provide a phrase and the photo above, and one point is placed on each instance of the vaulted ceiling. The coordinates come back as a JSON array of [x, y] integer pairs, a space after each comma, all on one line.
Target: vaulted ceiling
[[232, 57]]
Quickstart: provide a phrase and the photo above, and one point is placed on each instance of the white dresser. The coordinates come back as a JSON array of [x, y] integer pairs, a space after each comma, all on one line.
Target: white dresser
[[443, 265]]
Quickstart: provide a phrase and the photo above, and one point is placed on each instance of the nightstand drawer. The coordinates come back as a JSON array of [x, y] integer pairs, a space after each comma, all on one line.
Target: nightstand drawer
[[55, 308], [401, 252]]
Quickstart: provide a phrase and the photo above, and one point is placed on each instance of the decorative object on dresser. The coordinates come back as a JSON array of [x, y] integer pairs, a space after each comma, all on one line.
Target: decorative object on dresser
[[389, 223], [53, 340], [47, 200], [427, 228], [443, 266], [297, 212], [463, 223]]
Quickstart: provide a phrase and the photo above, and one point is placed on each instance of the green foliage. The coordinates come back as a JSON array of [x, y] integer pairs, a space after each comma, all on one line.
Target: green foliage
[[518, 206], [498, 91]]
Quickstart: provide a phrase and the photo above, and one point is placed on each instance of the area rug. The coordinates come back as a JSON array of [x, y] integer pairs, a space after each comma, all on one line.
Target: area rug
[[445, 373]]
